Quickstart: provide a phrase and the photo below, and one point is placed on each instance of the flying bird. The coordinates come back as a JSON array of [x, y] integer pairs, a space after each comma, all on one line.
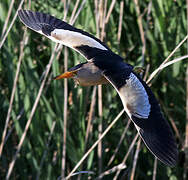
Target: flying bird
[[104, 66]]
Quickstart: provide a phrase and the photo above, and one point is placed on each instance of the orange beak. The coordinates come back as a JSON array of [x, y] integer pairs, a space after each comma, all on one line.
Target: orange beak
[[66, 75]]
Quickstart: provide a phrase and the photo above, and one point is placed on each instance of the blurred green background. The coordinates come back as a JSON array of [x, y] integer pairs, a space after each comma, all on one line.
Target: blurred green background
[[164, 24]]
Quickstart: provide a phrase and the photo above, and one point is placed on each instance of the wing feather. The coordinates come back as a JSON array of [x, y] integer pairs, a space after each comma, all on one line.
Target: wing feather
[[143, 109], [61, 32]]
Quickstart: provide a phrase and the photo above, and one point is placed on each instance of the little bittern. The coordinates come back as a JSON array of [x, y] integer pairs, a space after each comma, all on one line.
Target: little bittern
[[104, 66]]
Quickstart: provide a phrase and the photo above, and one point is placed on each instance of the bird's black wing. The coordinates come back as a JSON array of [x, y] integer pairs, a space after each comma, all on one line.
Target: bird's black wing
[[62, 32], [143, 109]]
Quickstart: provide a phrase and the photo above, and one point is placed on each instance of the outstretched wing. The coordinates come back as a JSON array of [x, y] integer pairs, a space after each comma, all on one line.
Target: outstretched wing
[[143, 109], [61, 32]]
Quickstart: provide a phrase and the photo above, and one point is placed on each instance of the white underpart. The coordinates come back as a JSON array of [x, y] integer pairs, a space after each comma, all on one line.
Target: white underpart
[[73, 39], [134, 98]]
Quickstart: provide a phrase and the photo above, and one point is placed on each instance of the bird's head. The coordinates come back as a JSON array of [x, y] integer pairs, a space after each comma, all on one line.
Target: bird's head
[[85, 74], [71, 73]]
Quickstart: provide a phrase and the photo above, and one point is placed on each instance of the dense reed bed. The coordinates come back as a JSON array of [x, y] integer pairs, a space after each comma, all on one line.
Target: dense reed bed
[[48, 126]]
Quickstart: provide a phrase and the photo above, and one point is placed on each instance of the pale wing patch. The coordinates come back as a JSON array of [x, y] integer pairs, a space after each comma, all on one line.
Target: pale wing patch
[[74, 39], [135, 98]]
